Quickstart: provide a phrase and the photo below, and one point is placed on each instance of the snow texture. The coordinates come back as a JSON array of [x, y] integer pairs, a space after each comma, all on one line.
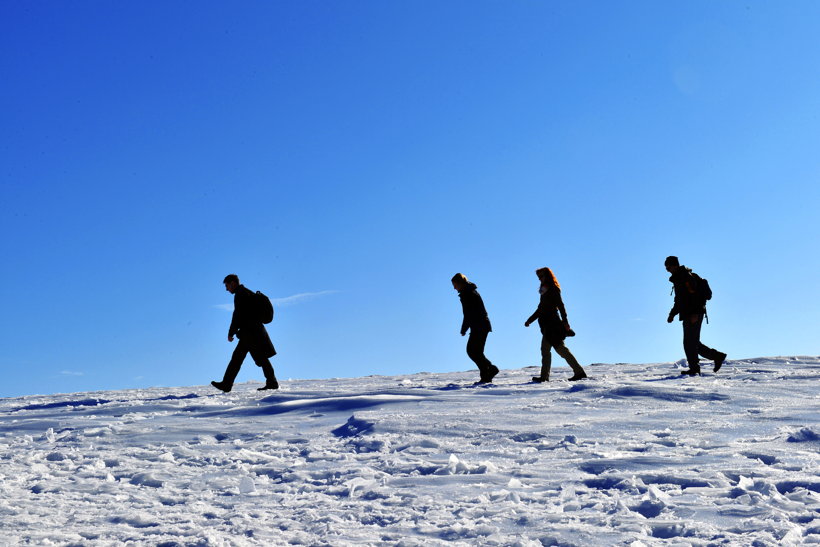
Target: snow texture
[[637, 456]]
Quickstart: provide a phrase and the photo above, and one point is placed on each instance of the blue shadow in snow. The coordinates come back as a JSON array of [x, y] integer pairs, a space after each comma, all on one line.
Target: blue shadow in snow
[[353, 427], [96, 402], [64, 404], [663, 394], [319, 403]]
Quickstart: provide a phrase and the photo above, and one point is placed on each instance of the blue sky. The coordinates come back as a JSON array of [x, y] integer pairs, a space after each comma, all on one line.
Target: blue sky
[[348, 158]]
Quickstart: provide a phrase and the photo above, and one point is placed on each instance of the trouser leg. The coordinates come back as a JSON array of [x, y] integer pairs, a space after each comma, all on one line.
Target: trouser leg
[[562, 350], [239, 354], [475, 350], [691, 341], [264, 363], [706, 351], [546, 358]]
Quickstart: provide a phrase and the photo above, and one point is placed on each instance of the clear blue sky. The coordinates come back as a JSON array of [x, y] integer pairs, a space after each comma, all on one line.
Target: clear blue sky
[[362, 153]]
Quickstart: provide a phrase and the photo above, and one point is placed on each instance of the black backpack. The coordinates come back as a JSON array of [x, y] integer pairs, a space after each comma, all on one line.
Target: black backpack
[[264, 308], [704, 291]]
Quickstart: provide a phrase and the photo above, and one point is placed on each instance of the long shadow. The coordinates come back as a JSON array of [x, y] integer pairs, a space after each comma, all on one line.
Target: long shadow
[[323, 401], [629, 392], [97, 402], [175, 397], [63, 404], [317, 402]]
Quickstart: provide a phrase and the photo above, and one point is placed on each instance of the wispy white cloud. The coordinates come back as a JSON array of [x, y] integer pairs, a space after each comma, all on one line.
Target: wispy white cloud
[[71, 373], [298, 298], [285, 301]]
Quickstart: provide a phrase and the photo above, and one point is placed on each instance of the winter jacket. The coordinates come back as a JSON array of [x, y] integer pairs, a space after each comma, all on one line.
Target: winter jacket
[[246, 325], [687, 300], [551, 315], [475, 315]]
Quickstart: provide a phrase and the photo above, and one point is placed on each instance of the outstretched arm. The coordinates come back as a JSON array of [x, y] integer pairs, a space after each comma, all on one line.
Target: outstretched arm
[[532, 318]]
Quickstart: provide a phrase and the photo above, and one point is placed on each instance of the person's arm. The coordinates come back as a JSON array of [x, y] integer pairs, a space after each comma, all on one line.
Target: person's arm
[[532, 317], [676, 307], [465, 324], [536, 314], [236, 318], [559, 303], [232, 330]]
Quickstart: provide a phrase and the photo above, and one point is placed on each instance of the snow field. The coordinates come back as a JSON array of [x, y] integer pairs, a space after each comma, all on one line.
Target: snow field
[[637, 455]]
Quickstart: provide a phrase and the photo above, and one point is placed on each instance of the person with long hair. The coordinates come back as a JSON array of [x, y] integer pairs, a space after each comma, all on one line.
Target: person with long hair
[[477, 322], [552, 318]]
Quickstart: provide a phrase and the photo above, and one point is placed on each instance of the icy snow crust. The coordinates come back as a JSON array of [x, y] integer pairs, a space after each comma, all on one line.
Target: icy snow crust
[[637, 455]]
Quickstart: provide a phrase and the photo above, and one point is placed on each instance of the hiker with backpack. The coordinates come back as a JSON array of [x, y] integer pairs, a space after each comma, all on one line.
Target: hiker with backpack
[[552, 319], [251, 310], [691, 294], [477, 322]]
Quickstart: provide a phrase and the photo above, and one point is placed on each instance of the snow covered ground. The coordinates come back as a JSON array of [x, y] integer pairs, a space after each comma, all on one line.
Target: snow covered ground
[[637, 455]]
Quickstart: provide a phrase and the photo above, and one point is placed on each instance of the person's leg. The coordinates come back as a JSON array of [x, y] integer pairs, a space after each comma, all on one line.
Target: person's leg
[[267, 369], [239, 354], [707, 352], [710, 353], [546, 359], [691, 343], [475, 351], [562, 350], [488, 369]]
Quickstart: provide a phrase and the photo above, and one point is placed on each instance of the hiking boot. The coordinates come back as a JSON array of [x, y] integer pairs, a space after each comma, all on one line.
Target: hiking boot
[[488, 376], [539, 380], [719, 361], [691, 371], [222, 386], [270, 385], [579, 376]]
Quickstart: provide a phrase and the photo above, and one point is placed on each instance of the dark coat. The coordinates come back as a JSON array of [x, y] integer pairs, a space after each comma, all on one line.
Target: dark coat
[[245, 323], [551, 315], [475, 315], [687, 300]]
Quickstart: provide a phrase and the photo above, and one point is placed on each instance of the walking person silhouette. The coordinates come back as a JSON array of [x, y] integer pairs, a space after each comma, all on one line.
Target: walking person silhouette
[[246, 324], [691, 294], [477, 322], [553, 328]]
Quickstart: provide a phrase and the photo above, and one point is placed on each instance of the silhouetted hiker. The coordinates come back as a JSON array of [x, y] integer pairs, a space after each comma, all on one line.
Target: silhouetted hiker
[[691, 294], [478, 323], [247, 325], [553, 328]]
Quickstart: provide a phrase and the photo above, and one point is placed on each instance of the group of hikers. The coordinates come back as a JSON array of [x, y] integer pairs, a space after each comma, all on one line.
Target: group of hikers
[[253, 310]]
